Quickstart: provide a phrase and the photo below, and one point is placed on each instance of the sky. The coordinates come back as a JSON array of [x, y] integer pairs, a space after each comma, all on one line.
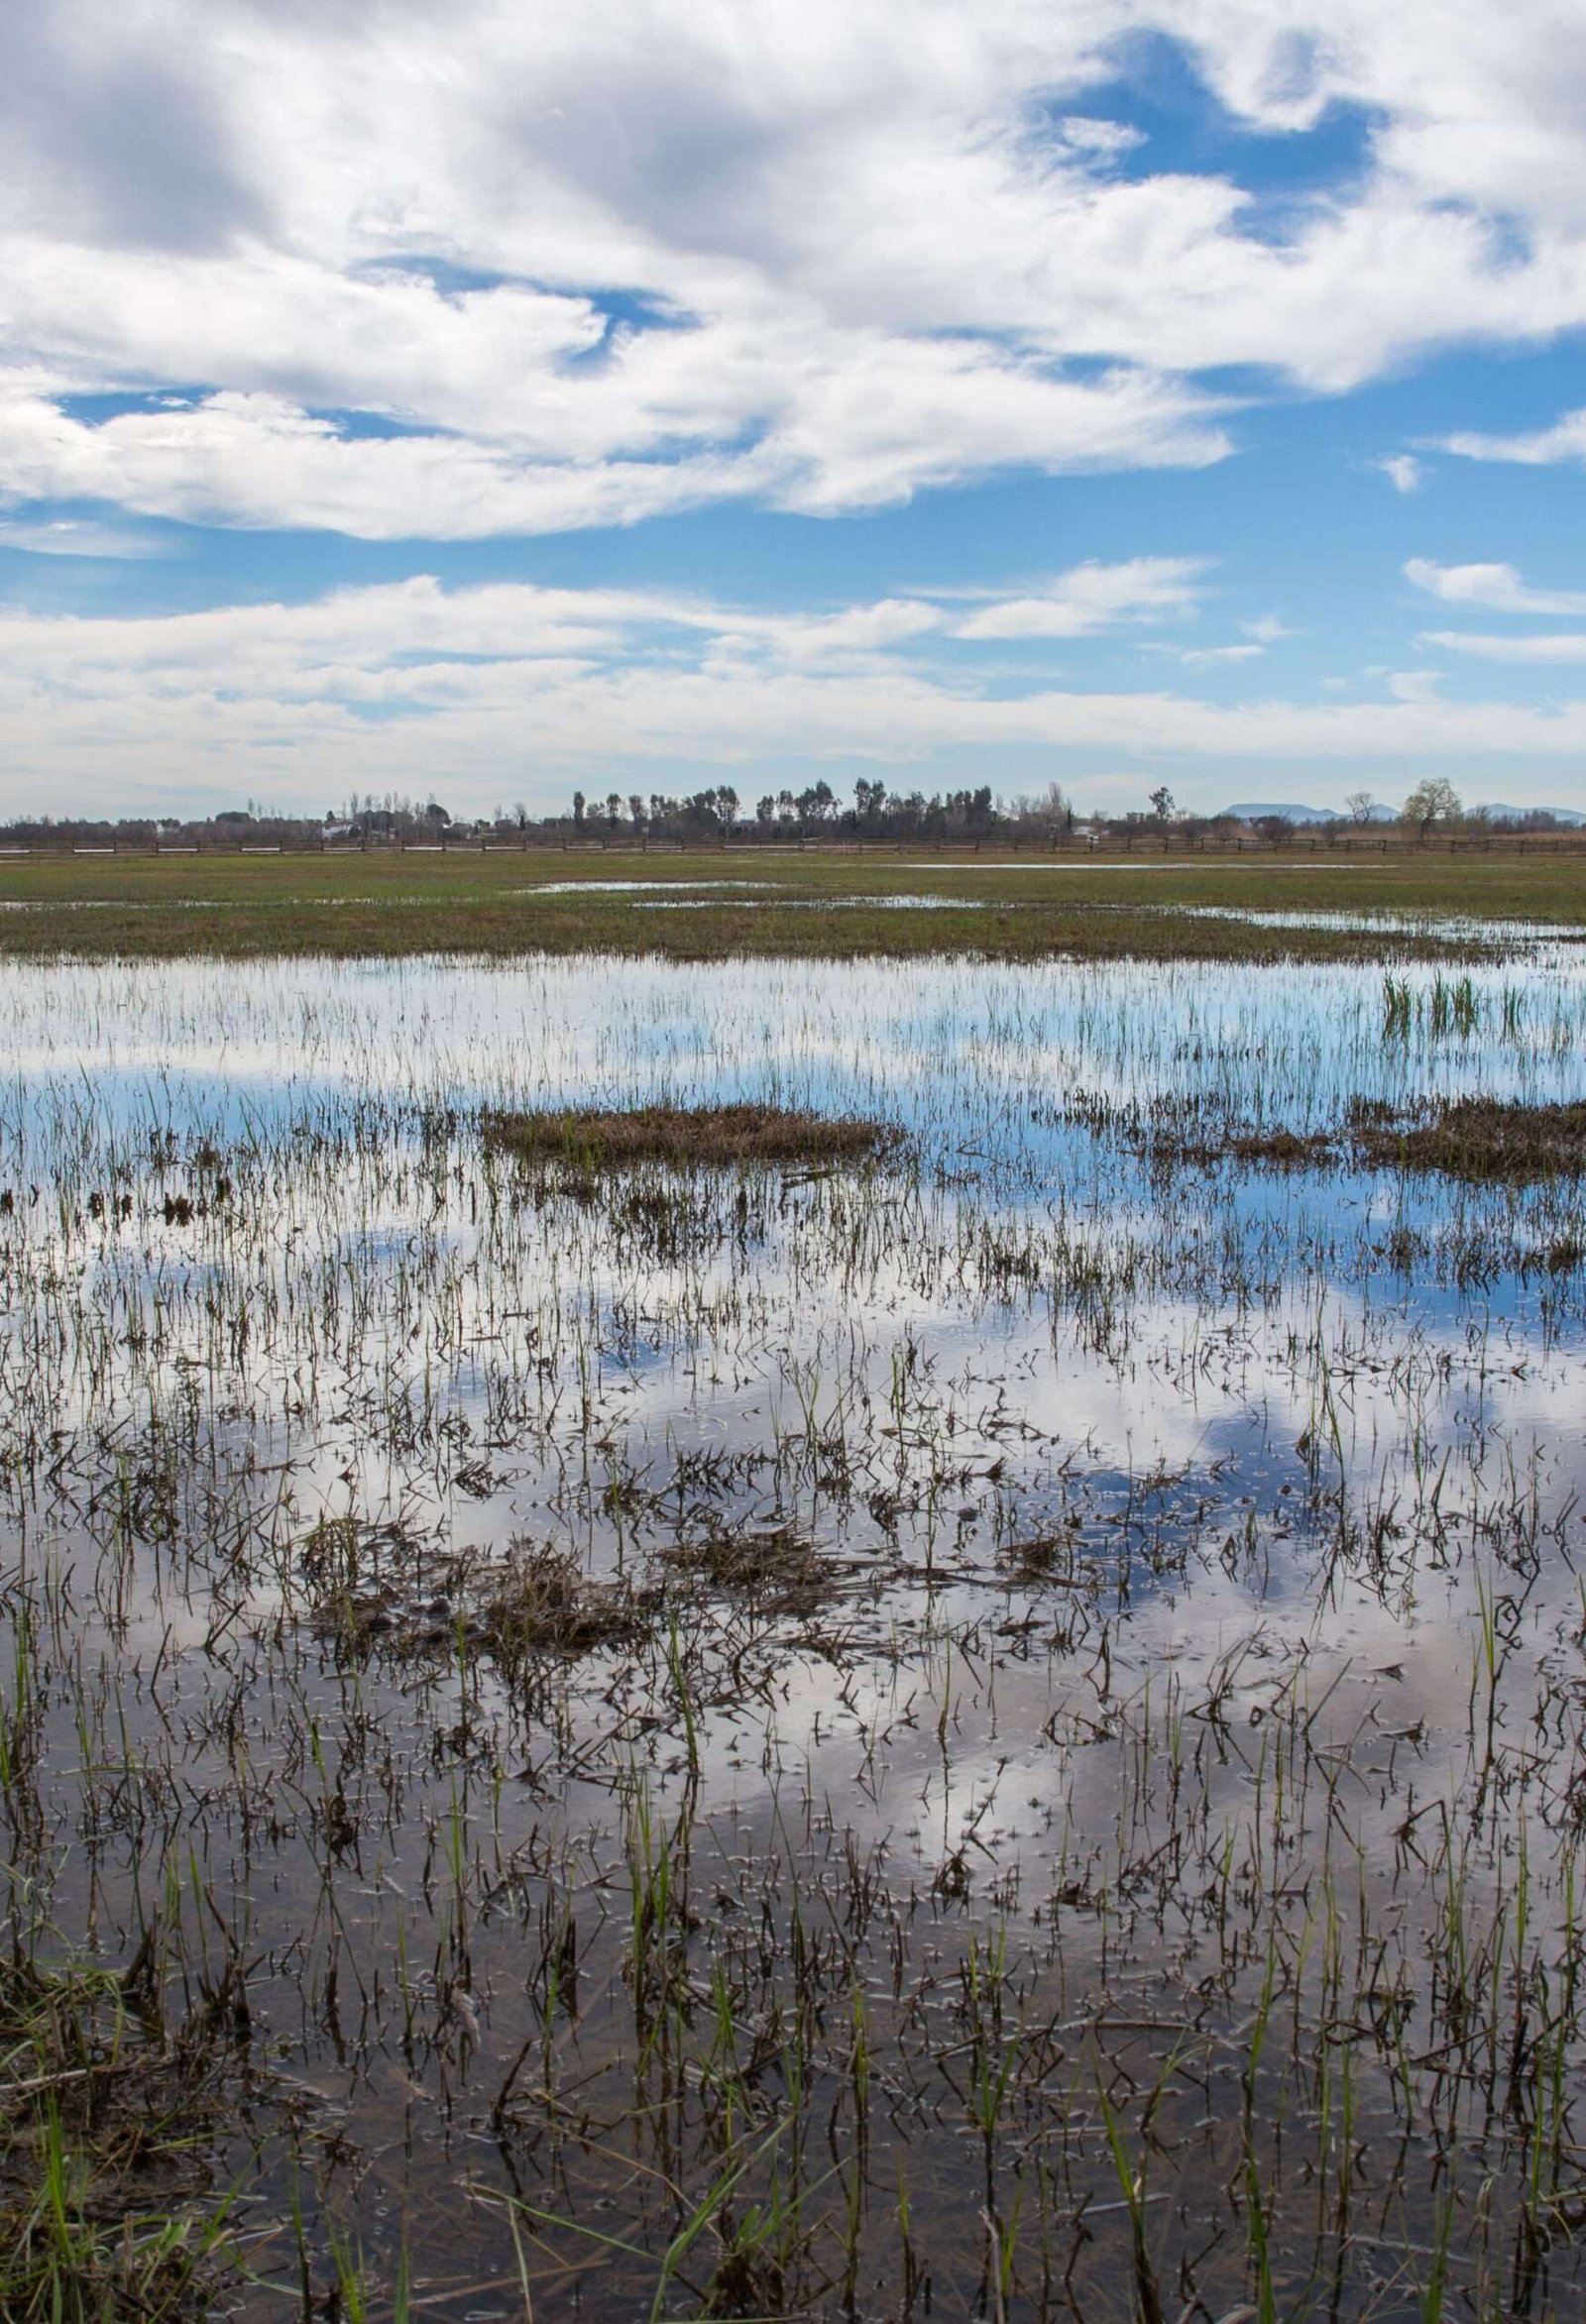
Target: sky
[[481, 401]]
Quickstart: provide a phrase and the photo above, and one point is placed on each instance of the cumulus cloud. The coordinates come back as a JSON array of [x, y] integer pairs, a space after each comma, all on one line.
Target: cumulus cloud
[[510, 272]]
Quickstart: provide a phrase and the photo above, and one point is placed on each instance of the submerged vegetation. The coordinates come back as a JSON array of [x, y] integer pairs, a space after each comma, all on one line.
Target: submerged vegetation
[[974, 1722]]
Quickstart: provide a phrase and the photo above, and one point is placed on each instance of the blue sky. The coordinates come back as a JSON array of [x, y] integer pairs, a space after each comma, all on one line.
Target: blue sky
[[486, 402]]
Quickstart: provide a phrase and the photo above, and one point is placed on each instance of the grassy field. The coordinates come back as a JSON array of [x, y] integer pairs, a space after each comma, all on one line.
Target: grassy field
[[817, 905]]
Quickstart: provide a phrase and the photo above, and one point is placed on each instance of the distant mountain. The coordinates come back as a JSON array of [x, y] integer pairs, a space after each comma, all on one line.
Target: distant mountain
[[1500, 812], [1252, 813]]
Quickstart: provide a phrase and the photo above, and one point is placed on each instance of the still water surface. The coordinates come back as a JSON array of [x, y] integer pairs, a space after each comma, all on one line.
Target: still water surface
[[1066, 1604]]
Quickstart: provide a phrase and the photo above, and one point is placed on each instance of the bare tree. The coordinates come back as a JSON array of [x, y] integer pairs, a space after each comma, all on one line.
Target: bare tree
[[1433, 802]]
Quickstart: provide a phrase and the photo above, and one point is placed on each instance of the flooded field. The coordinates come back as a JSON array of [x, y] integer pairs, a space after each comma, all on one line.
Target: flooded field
[[989, 1730]]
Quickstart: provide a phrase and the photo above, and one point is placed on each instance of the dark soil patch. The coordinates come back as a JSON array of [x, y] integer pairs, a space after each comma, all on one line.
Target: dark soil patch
[[721, 1137]]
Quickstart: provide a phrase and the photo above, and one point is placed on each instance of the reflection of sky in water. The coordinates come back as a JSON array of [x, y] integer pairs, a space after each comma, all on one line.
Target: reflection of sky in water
[[828, 904], [1225, 1284], [967, 1055], [1211, 1384], [637, 887], [1529, 937]]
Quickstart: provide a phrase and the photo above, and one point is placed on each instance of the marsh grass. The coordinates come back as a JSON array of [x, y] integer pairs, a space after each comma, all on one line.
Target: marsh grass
[[775, 1566], [380, 1590], [109, 2125], [715, 1136], [1479, 1140], [541, 1601], [547, 902], [997, 1738]]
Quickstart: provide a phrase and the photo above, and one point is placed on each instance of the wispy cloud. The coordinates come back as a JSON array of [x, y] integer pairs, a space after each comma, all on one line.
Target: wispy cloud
[[1534, 448], [1402, 471], [1564, 647], [931, 416], [1497, 588], [1094, 596], [1207, 657], [72, 536], [382, 686]]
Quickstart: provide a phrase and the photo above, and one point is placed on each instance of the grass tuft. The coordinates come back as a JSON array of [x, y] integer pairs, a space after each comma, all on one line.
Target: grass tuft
[[541, 1601], [775, 1567], [730, 1136], [106, 2118], [1480, 1138]]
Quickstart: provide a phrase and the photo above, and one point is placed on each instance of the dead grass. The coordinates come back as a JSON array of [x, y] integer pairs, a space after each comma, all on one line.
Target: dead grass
[[541, 1601], [1282, 1150], [713, 1137], [1480, 1138], [775, 1566]]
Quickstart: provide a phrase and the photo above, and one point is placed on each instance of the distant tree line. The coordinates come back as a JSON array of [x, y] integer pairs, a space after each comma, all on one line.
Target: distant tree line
[[717, 814]]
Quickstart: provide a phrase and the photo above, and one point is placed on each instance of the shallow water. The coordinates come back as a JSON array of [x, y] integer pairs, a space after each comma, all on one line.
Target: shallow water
[[1102, 1638]]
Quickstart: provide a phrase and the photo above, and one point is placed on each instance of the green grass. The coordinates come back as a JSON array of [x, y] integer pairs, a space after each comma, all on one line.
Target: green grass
[[389, 905], [107, 2210]]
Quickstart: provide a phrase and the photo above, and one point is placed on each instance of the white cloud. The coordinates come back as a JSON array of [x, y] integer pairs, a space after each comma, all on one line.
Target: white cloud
[[253, 460], [1089, 135], [524, 690], [859, 439], [1207, 657], [598, 263], [1498, 588], [1564, 648], [1094, 596], [1540, 448], [73, 537], [1402, 471]]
